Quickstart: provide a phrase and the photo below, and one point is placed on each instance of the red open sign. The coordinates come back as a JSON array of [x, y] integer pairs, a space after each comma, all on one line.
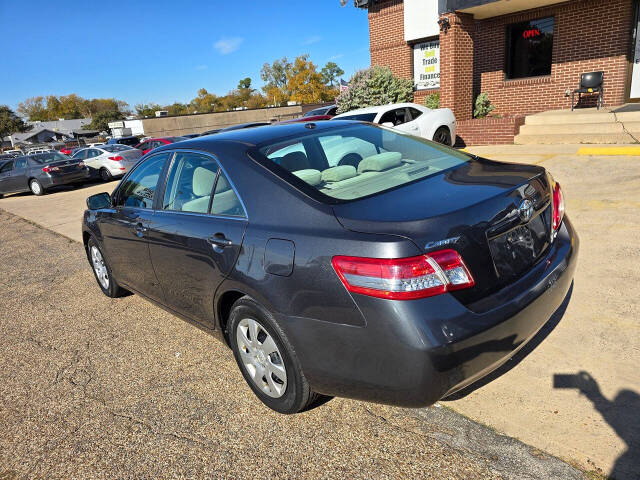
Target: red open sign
[[531, 33]]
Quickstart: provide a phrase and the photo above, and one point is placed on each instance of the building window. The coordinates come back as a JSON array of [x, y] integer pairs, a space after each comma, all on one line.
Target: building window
[[529, 47]]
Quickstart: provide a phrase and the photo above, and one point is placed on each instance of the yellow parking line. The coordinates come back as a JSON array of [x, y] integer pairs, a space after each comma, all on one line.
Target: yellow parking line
[[609, 151]]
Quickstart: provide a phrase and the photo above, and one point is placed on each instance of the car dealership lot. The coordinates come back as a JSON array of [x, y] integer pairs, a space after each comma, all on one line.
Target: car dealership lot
[[80, 374]]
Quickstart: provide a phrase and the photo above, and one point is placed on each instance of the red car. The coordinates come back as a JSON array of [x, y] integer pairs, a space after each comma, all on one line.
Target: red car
[[152, 143]]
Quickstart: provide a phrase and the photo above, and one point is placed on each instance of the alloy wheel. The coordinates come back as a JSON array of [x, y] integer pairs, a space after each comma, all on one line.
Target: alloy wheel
[[99, 267], [35, 187], [261, 358]]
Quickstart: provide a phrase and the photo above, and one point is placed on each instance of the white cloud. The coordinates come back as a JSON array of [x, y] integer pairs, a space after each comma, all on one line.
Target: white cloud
[[336, 57], [312, 39], [225, 46], [201, 67]]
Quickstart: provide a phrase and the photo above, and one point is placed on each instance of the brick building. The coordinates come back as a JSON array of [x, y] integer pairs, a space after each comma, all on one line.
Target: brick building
[[525, 54]]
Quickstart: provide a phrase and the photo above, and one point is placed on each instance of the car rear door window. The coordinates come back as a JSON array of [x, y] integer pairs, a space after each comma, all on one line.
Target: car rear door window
[[414, 112], [192, 177], [138, 188], [7, 167], [21, 163], [225, 199]]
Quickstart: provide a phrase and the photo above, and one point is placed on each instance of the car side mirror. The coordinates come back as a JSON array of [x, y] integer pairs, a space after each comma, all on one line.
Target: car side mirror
[[98, 201], [388, 124]]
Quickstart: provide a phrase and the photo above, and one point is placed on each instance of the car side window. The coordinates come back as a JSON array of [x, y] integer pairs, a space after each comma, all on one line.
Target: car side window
[[93, 153], [397, 116], [80, 155], [21, 163], [143, 146], [6, 167], [138, 189], [225, 200], [415, 113], [192, 177]]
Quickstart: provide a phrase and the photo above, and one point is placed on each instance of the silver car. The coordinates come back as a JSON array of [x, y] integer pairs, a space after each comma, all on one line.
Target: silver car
[[109, 161]]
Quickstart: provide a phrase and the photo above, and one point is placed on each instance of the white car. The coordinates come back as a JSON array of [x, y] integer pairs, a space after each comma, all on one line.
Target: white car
[[438, 125], [109, 160]]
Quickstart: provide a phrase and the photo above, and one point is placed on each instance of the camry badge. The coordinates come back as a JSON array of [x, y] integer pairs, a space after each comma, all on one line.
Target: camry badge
[[525, 210]]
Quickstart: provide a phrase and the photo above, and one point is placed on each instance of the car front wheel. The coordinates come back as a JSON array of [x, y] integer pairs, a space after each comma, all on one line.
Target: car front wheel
[[442, 136], [36, 187], [267, 360], [102, 272]]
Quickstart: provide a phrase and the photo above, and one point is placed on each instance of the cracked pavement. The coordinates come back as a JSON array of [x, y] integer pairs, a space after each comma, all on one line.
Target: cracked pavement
[[93, 387]]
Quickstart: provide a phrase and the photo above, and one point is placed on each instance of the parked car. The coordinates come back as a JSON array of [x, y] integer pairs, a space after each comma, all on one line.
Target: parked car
[[131, 141], [34, 151], [314, 118], [438, 125], [69, 151], [109, 161], [39, 172], [7, 156], [400, 281], [15, 153], [152, 143], [330, 110]]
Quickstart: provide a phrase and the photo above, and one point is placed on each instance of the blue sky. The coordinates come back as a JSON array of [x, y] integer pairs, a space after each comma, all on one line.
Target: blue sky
[[164, 51]]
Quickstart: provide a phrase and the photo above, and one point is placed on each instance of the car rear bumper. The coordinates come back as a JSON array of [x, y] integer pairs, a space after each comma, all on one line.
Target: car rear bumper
[[413, 353], [65, 179]]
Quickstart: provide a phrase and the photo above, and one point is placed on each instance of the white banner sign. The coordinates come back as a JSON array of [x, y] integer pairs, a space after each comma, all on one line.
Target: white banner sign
[[426, 64]]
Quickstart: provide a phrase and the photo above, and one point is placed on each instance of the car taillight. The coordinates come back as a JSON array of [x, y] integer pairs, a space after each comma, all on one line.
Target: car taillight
[[404, 278], [117, 158], [558, 206], [50, 169]]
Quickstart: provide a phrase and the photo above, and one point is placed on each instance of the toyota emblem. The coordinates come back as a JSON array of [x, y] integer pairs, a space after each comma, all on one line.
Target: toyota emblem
[[525, 210]]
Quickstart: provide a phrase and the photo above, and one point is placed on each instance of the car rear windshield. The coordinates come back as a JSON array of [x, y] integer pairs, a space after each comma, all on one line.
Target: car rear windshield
[[46, 158], [357, 161], [115, 148], [363, 117]]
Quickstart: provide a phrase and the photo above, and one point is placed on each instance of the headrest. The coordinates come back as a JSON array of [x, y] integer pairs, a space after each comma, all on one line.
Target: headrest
[[203, 181], [380, 162], [294, 161], [223, 184], [309, 175], [335, 174]]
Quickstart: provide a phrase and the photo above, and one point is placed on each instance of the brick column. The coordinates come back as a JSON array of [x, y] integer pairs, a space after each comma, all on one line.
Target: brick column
[[456, 65]]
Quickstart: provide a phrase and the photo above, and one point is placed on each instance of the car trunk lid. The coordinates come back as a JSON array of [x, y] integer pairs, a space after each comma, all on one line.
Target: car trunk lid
[[496, 215]]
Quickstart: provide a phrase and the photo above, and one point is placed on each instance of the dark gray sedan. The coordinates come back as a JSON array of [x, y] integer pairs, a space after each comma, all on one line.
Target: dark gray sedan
[[39, 172], [340, 258]]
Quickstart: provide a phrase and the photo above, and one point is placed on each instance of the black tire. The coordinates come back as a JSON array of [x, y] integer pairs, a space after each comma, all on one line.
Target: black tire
[[112, 290], [298, 395], [443, 136], [105, 175], [36, 187]]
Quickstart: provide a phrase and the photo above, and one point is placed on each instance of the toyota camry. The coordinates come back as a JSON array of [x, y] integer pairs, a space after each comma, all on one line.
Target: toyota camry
[[340, 258]]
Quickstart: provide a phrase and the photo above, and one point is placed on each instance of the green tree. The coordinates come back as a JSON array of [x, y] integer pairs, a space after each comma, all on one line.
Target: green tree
[[204, 102], [34, 108], [244, 84], [146, 109], [374, 86], [275, 77], [10, 122], [330, 73], [100, 121]]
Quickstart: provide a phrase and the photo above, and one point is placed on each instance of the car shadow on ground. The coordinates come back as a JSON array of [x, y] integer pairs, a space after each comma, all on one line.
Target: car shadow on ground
[[622, 413], [542, 334]]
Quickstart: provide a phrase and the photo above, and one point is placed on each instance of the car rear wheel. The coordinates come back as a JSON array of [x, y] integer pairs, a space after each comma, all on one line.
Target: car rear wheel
[[442, 136], [267, 360], [105, 175], [36, 187], [102, 272]]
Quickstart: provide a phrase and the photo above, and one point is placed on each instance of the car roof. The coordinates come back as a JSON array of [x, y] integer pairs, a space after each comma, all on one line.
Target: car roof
[[251, 137]]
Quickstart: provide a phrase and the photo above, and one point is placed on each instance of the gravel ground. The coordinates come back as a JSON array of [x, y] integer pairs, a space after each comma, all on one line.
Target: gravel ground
[[92, 387]]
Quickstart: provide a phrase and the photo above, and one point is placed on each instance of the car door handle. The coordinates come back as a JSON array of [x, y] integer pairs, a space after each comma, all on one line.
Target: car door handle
[[219, 241]]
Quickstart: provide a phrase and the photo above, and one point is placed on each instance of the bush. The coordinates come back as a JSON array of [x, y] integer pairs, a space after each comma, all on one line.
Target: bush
[[483, 106], [372, 87], [432, 101]]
